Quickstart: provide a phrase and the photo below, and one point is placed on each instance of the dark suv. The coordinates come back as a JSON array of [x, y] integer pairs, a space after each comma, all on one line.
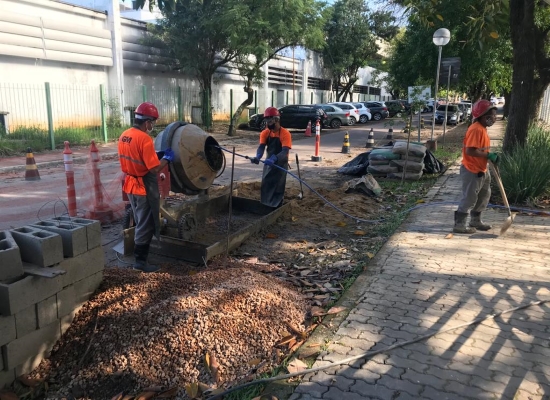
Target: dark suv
[[294, 116], [378, 110]]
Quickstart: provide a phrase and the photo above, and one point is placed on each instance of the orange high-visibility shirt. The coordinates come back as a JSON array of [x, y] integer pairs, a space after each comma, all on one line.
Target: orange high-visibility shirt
[[477, 137], [136, 154], [283, 134]]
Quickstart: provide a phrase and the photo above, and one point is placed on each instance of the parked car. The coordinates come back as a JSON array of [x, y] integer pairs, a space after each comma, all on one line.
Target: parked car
[[354, 112], [336, 116], [364, 112], [468, 107], [500, 100], [453, 114], [378, 109], [465, 110], [293, 116], [395, 108]]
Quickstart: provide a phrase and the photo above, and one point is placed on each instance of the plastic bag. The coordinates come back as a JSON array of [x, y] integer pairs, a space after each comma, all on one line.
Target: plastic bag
[[357, 166], [432, 165]]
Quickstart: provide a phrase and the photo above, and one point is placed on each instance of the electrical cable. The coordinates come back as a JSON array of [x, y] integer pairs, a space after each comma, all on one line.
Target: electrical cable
[[370, 354]]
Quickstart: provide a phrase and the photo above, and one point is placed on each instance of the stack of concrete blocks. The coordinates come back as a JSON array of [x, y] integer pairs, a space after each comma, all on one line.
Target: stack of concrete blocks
[[34, 310]]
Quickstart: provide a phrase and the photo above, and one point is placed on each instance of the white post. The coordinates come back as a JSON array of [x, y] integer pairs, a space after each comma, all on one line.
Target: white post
[[116, 72]]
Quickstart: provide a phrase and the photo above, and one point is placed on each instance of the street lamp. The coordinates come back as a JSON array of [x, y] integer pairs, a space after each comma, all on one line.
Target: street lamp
[[440, 38]]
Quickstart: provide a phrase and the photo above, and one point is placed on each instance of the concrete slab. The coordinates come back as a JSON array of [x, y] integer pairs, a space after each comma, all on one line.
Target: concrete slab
[[46, 311], [37, 246], [11, 265], [74, 237], [93, 229]]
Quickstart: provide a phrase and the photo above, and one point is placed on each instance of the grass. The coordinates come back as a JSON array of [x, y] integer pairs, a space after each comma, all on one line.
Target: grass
[[525, 171]]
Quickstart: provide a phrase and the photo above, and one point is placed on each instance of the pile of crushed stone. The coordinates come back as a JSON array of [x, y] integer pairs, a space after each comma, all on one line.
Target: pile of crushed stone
[[157, 329]]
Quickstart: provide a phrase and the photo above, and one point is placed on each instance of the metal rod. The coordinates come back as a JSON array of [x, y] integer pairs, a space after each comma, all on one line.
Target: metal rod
[[103, 116], [230, 205], [447, 103], [436, 88], [49, 112], [300, 177], [407, 153]]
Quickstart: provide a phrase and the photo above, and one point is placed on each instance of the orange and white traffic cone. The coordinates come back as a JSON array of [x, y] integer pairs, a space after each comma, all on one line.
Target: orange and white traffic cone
[[390, 134], [31, 170], [317, 157], [308, 129], [370, 140], [101, 211]]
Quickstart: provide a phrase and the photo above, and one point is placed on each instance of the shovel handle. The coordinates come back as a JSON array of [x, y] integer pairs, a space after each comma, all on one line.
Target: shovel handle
[[299, 176], [495, 172]]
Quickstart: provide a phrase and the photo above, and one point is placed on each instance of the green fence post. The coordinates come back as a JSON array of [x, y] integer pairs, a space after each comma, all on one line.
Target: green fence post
[[144, 93], [322, 97], [286, 104], [311, 98], [230, 105], [180, 102], [272, 94], [50, 118], [255, 102], [103, 118], [300, 97]]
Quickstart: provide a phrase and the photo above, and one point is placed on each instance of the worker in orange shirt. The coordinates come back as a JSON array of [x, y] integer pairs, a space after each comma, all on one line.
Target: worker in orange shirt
[[476, 180], [139, 161], [278, 142]]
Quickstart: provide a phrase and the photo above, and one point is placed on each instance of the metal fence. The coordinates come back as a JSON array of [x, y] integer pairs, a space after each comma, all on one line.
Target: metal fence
[[44, 116]]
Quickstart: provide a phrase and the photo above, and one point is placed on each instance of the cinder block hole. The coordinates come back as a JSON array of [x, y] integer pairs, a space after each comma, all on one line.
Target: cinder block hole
[[44, 223], [83, 221], [68, 227], [43, 234], [62, 218], [4, 245], [24, 230], [3, 235]]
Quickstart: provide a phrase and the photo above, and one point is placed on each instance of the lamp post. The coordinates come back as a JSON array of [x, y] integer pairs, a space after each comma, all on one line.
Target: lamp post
[[440, 38]]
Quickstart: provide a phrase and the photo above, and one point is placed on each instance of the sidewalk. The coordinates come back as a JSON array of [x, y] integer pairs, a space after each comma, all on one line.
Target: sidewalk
[[421, 282]]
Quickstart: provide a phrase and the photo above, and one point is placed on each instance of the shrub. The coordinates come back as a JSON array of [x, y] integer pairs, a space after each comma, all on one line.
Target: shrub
[[525, 171]]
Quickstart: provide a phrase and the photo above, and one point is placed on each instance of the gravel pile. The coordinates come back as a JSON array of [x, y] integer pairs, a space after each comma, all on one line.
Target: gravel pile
[[144, 330]]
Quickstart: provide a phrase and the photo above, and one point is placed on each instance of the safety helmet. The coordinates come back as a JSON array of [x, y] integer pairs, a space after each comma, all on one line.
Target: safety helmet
[[271, 112], [482, 107], [147, 111]]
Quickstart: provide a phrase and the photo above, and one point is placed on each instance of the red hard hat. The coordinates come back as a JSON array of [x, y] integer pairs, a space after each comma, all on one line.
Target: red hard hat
[[481, 108], [271, 112], [147, 111]]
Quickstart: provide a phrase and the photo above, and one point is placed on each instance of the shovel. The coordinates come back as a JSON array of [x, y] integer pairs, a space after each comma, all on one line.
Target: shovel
[[510, 217], [301, 195]]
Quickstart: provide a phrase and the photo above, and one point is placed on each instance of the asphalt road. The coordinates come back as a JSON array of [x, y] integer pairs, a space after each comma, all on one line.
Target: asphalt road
[[23, 202]]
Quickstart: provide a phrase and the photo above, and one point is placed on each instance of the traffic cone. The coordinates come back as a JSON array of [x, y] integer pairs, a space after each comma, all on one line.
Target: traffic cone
[[31, 171], [345, 146], [370, 140], [390, 134], [308, 129]]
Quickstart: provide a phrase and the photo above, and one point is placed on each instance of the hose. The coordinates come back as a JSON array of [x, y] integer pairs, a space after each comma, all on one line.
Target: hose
[[370, 354]]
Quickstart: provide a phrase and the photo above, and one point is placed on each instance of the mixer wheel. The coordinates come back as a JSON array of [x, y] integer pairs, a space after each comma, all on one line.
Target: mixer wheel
[[187, 226]]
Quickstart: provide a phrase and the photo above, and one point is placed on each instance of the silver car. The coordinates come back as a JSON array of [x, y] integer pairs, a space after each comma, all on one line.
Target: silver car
[[354, 112], [336, 116]]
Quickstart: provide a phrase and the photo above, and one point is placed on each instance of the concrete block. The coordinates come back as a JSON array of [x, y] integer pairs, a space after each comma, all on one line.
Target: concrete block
[[7, 329], [26, 321], [38, 247], [7, 378], [46, 311], [18, 295], [11, 265], [85, 288], [74, 237], [82, 266], [93, 229], [66, 301], [32, 348], [67, 320]]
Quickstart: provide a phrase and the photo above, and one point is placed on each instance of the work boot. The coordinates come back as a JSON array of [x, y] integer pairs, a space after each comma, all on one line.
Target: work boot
[[141, 253], [460, 224], [476, 222]]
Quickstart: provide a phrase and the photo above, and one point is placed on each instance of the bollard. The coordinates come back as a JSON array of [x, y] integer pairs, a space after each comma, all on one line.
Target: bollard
[[100, 211], [31, 170], [308, 129], [390, 134], [370, 140], [317, 157], [345, 146], [69, 173]]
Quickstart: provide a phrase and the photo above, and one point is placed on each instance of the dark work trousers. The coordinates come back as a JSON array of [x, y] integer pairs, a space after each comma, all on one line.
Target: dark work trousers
[[146, 211], [476, 191]]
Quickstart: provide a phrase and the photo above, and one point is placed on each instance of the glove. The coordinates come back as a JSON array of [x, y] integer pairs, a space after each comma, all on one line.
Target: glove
[[254, 160], [493, 157], [160, 154], [168, 155], [271, 160]]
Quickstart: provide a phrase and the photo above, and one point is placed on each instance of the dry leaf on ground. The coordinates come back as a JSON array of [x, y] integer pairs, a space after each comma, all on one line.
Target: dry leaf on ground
[[296, 366]]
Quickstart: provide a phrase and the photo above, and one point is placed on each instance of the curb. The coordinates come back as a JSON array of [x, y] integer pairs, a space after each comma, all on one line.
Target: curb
[[49, 164]]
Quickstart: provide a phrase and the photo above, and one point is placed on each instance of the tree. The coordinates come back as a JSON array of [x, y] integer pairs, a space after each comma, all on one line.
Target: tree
[[350, 43]]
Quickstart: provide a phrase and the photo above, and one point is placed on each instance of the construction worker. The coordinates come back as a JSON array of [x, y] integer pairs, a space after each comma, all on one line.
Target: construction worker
[[278, 142], [140, 163], [476, 179]]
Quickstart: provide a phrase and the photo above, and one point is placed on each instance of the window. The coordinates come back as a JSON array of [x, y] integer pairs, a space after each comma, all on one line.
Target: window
[[319, 83], [329, 109]]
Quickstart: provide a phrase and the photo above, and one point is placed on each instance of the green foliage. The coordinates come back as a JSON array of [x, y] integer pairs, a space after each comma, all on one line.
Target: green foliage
[[114, 117], [525, 171]]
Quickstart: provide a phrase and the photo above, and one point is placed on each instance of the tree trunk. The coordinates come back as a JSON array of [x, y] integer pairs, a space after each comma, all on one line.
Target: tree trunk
[[235, 117], [506, 108], [523, 34], [536, 100], [206, 103]]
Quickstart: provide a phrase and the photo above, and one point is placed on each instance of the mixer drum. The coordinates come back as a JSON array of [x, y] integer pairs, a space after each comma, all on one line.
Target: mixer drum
[[197, 159]]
